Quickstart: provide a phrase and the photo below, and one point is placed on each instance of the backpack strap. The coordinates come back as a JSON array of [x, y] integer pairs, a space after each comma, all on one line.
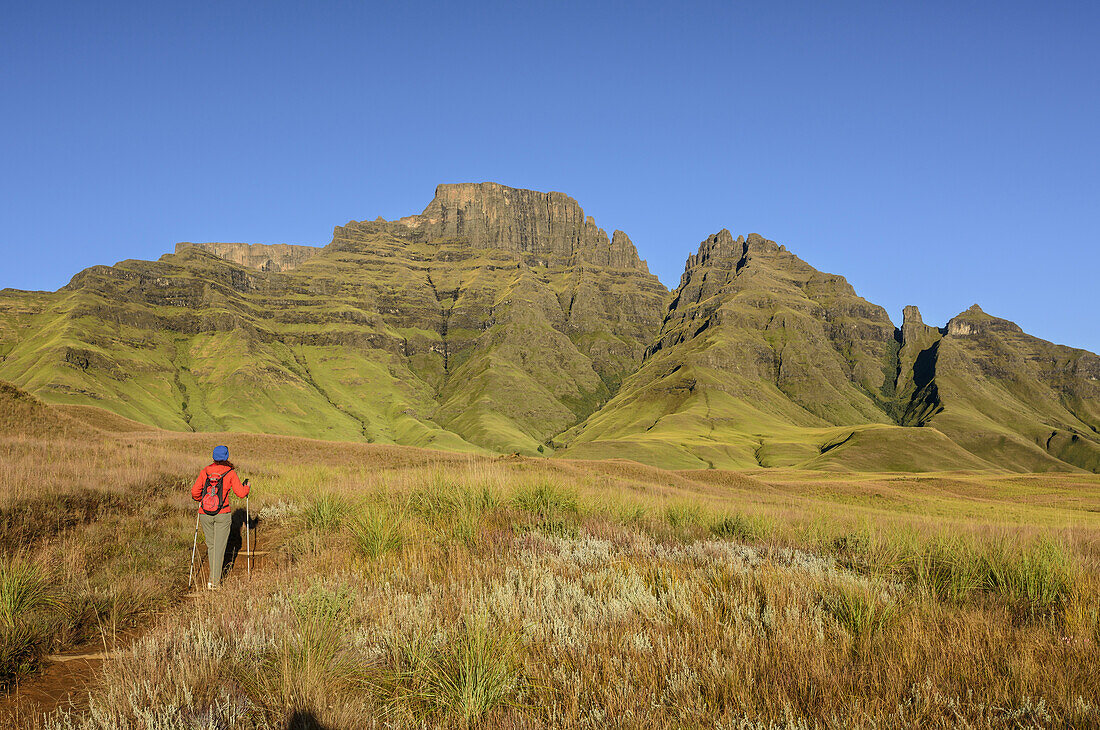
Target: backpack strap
[[221, 476]]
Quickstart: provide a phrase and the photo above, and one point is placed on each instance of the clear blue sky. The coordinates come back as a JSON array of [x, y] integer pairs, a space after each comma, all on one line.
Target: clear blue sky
[[935, 153]]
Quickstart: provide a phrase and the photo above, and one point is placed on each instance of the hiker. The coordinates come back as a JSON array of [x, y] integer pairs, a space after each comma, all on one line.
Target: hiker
[[211, 490]]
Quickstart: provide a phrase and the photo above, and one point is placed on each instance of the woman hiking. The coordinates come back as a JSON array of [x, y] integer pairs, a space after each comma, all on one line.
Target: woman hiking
[[211, 490]]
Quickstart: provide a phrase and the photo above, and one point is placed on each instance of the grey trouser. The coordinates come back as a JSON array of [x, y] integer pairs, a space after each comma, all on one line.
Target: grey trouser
[[215, 530]]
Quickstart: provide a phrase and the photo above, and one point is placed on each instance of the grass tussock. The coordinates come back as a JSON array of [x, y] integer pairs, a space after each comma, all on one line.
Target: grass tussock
[[684, 515], [475, 670], [741, 527], [307, 668], [1038, 580], [546, 499], [864, 612], [24, 589], [547, 507], [376, 533], [325, 514], [454, 511], [20, 648]]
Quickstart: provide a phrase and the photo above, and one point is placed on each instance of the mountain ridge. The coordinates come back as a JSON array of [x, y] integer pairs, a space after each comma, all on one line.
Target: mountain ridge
[[505, 320]]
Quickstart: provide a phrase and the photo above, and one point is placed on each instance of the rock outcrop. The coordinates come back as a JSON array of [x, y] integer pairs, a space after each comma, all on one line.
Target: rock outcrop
[[916, 390], [546, 229], [262, 256]]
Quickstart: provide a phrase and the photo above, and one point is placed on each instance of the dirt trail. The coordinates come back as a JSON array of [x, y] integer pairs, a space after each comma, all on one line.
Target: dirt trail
[[66, 680], [63, 682]]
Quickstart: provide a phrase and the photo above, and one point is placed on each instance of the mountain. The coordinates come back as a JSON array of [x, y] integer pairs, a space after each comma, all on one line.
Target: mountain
[[764, 361], [505, 320], [494, 320], [1020, 402]]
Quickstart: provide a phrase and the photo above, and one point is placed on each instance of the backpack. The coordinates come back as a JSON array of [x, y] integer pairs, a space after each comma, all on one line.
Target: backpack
[[213, 493]]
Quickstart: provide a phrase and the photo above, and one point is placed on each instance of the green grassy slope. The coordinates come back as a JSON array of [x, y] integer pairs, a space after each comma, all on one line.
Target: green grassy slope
[[894, 448]]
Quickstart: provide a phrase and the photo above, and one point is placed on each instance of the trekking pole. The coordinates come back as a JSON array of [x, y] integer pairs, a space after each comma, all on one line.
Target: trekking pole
[[247, 534], [194, 544]]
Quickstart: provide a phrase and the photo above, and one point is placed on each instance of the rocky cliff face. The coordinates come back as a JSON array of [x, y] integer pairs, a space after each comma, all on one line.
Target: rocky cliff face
[[916, 390], [262, 256], [544, 228]]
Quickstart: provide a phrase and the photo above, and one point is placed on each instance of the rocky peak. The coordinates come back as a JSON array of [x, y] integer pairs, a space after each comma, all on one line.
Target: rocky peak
[[541, 227], [712, 250], [723, 251], [974, 321], [913, 328], [756, 242], [262, 256], [623, 254]]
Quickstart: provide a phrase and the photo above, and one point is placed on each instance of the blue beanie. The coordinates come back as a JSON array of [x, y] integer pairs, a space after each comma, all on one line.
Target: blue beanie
[[221, 453]]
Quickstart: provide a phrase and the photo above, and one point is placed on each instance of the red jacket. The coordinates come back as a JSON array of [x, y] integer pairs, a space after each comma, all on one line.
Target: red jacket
[[232, 481]]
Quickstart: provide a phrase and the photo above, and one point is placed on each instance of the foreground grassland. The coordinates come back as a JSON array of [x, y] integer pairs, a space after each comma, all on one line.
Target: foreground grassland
[[412, 588]]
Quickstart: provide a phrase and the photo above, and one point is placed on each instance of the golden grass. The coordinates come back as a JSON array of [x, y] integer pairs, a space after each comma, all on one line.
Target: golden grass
[[420, 588], [91, 531]]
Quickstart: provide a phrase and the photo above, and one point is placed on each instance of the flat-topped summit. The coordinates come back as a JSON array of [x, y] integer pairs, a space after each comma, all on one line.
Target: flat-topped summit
[[549, 226]]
